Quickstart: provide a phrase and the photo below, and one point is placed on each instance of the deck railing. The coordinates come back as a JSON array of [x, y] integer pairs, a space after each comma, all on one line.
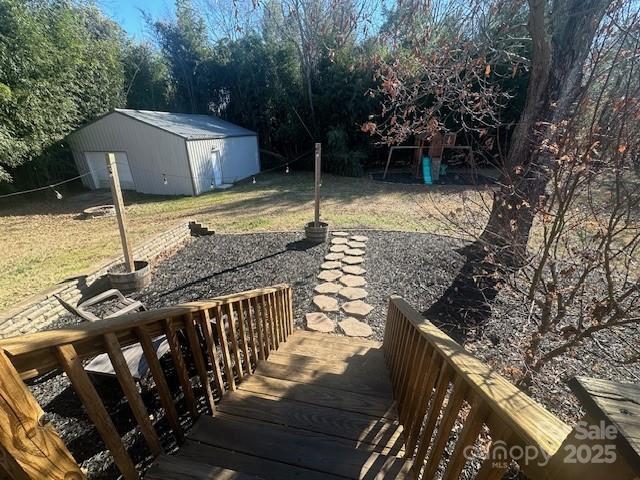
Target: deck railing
[[226, 337], [426, 367]]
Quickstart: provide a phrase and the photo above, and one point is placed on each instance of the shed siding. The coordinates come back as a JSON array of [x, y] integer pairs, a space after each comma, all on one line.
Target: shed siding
[[151, 153], [239, 157]]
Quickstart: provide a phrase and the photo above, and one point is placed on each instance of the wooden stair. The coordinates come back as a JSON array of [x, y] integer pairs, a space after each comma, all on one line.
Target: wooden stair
[[319, 408]]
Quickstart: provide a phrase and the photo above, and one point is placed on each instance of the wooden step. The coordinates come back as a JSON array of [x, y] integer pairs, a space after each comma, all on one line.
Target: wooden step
[[179, 468], [378, 434], [325, 337], [349, 381], [298, 448], [321, 396], [320, 347], [361, 364]]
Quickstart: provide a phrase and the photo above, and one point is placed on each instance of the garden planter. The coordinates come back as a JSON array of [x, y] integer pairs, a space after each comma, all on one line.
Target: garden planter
[[316, 234], [130, 281]]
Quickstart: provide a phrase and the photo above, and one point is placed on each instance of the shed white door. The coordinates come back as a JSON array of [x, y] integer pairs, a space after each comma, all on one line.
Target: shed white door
[[98, 166], [216, 167]]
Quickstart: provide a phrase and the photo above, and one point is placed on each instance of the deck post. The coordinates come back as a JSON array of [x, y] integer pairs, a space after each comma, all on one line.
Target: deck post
[[116, 193], [30, 448]]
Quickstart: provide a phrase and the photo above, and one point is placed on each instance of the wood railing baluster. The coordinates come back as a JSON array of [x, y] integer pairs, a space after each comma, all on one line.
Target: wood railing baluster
[[262, 349], [432, 417], [224, 346], [243, 338], [426, 391], [29, 445], [470, 431], [212, 350], [164, 393], [198, 360], [280, 317], [130, 390], [289, 296], [252, 335], [234, 340], [71, 364], [412, 341], [416, 380], [181, 368], [273, 321], [449, 417], [271, 343]]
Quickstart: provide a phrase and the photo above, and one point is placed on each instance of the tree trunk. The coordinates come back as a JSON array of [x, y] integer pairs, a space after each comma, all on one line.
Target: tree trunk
[[561, 40]]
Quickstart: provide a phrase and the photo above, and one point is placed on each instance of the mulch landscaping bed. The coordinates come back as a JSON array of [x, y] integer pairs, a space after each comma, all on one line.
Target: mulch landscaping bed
[[418, 267]]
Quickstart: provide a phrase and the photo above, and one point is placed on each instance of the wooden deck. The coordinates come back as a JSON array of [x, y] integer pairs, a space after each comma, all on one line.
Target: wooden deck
[[320, 407]]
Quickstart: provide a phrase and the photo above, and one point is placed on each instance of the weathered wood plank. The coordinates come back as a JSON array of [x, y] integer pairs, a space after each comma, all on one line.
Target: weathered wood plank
[[212, 351], [180, 468], [224, 347], [297, 447], [72, 366], [382, 435], [322, 396], [264, 468], [30, 445], [231, 319], [349, 381]]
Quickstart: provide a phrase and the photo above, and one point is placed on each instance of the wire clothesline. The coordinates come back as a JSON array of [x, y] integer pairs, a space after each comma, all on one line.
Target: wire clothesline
[[164, 175]]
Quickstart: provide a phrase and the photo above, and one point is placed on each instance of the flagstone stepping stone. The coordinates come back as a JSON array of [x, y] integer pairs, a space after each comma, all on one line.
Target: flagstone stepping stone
[[353, 269], [354, 244], [334, 256], [330, 275], [339, 241], [325, 303], [327, 288], [340, 234], [355, 252], [359, 238], [352, 281], [330, 265], [319, 322], [351, 293], [352, 327], [357, 308], [338, 248], [353, 260]]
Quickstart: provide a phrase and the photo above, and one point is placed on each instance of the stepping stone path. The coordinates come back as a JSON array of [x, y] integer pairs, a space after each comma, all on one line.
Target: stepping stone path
[[352, 260], [326, 303], [353, 327], [351, 293], [346, 253], [319, 322], [353, 269], [328, 288], [353, 281], [329, 275], [330, 265], [357, 308]]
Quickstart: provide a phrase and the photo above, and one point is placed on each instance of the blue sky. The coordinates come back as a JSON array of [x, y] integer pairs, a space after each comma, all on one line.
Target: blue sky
[[127, 13]]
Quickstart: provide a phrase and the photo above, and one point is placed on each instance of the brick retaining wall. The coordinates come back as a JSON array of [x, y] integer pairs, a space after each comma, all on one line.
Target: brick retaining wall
[[42, 309]]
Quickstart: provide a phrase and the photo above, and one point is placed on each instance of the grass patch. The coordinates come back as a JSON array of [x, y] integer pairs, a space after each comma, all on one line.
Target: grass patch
[[46, 242]]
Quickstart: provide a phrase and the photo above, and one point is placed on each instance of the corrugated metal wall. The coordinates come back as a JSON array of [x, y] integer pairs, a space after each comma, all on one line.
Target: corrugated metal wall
[[239, 156], [151, 152]]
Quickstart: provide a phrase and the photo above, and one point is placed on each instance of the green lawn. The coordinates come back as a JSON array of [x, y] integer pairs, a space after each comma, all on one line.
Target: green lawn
[[45, 242]]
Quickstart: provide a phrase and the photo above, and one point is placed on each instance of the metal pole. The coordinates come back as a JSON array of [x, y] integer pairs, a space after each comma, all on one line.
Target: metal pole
[[116, 193], [317, 206]]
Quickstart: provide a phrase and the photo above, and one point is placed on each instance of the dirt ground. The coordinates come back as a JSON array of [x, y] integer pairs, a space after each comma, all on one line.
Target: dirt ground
[[45, 240]]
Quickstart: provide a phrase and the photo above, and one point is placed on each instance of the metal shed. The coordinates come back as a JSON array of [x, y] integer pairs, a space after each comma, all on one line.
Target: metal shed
[[165, 153]]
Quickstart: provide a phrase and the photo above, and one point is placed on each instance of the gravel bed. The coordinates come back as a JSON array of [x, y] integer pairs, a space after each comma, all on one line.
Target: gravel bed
[[417, 266]]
